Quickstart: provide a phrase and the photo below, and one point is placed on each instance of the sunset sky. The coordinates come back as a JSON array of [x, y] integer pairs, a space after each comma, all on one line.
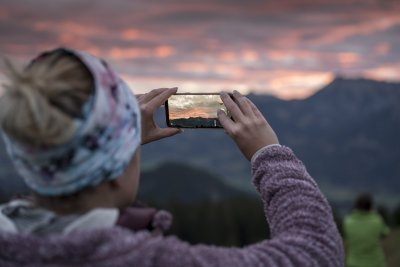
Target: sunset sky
[[288, 48], [186, 106]]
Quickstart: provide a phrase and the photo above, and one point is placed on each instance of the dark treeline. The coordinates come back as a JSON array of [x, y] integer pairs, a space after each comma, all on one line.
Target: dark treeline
[[236, 221], [232, 222], [392, 218]]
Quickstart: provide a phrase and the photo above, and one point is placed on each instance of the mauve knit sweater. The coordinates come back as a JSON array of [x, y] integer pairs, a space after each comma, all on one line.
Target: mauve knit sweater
[[303, 232]]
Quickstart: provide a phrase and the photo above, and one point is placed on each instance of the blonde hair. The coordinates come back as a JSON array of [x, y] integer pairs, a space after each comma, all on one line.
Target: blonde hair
[[41, 101]]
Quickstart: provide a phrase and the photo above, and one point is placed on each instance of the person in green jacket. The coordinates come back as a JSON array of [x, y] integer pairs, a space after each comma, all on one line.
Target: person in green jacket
[[363, 230]]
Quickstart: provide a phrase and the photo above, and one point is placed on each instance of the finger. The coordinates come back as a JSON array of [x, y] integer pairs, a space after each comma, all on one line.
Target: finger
[[256, 111], [242, 103], [148, 96], [232, 107], [160, 98], [225, 121], [252, 108], [139, 96]]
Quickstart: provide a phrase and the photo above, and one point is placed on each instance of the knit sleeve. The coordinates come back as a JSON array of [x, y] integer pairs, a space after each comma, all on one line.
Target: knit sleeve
[[303, 232]]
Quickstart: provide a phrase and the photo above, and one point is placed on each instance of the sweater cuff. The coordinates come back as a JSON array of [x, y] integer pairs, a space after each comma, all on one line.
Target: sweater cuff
[[258, 152]]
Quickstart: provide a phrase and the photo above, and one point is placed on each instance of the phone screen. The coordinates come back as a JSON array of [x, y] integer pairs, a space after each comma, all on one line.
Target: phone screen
[[194, 110]]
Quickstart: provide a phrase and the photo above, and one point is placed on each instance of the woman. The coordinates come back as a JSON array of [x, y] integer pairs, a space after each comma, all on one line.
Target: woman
[[363, 231], [73, 129]]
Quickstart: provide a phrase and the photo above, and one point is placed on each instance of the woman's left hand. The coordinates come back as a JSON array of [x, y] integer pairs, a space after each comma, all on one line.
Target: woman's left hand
[[149, 103]]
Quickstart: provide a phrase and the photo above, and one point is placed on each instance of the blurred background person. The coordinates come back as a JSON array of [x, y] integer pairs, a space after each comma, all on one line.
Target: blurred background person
[[363, 230]]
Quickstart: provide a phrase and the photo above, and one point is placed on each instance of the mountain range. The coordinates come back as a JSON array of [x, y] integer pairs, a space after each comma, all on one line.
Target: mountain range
[[347, 134]]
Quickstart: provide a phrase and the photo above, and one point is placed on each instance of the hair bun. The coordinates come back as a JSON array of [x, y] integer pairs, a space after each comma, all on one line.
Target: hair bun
[[40, 102]]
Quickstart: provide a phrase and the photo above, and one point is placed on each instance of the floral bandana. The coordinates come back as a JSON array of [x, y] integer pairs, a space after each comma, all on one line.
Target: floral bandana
[[105, 139]]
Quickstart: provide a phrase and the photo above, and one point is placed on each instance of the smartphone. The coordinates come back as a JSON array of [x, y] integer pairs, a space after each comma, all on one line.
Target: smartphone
[[194, 110]]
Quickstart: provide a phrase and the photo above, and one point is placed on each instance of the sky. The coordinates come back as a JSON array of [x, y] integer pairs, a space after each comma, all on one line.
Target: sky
[[192, 106], [288, 48]]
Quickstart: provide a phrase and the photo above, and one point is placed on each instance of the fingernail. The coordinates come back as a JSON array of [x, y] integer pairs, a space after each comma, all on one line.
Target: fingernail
[[220, 112], [181, 130]]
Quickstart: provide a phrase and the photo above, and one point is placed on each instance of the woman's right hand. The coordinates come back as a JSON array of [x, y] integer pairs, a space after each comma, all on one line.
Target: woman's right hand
[[247, 127]]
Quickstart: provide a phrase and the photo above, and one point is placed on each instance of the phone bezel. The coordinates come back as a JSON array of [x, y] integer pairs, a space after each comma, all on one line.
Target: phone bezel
[[167, 112]]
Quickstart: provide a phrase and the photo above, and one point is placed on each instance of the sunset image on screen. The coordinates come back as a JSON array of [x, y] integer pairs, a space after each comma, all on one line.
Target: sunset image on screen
[[194, 110]]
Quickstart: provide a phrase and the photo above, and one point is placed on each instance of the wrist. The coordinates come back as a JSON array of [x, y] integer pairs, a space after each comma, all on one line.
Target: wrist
[[259, 151]]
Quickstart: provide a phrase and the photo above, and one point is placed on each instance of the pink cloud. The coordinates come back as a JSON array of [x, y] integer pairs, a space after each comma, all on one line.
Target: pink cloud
[[382, 48], [132, 53], [385, 73], [348, 59], [286, 47]]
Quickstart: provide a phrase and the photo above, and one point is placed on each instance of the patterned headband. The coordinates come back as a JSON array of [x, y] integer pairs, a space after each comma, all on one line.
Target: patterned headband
[[105, 139]]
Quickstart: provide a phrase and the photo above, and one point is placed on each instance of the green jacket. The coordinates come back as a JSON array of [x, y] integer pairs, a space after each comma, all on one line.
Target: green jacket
[[363, 232]]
